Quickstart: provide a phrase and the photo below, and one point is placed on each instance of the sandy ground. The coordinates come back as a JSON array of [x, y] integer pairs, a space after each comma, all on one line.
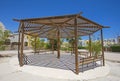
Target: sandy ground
[[8, 73], [114, 74]]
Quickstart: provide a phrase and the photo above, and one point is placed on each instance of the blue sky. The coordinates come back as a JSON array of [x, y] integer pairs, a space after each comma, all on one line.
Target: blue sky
[[105, 12]]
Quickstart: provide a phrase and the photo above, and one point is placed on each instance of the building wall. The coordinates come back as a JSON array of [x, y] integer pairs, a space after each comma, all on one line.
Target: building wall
[[14, 38], [83, 42], [14, 41], [110, 41], [118, 39], [107, 42], [28, 40]]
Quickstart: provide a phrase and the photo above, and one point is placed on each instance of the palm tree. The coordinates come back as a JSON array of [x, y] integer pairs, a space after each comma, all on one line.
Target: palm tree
[[40, 44], [95, 48], [71, 41], [3, 37]]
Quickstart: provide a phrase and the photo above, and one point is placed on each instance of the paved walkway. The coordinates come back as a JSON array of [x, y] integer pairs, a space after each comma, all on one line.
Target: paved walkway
[[112, 56]]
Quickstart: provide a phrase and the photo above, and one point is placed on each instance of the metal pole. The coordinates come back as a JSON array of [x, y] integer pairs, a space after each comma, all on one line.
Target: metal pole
[[102, 47], [76, 47]]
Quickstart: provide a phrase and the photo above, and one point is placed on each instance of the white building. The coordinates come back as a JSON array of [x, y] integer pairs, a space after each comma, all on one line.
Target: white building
[[107, 42], [83, 42], [13, 41], [118, 39], [15, 36], [110, 41]]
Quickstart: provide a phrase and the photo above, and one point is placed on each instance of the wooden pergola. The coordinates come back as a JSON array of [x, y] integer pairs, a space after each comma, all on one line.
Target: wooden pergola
[[67, 26]]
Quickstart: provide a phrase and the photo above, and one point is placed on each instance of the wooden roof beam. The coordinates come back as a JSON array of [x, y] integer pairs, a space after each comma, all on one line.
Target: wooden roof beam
[[84, 27], [44, 18], [79, 31], [91, 22], [71, 25], [65, 32], [87, 30], [34, 28], [38, 31], [106, 27], [29, 34], [45, 31]]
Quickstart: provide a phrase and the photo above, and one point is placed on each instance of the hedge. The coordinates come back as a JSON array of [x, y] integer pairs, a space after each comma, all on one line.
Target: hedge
[[115, 48], [80, 47]]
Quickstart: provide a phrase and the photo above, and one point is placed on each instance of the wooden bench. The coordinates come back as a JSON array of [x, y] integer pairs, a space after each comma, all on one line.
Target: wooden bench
[[90, 59]]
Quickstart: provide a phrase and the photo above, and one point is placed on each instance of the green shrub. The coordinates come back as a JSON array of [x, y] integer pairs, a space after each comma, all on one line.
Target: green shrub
[[95, 48], [81, 47], [39, 44], [65, 49], [48, 46], [3, 37], [115, 48], [2, 47]]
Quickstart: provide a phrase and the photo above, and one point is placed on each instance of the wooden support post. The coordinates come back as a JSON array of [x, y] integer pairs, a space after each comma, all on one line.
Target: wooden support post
[[58, 43], [73, 47], [35, 45], [19, 48], [71, 50], [76, 47], [102, 47], [53, 46], [22, 45], [90, 48]]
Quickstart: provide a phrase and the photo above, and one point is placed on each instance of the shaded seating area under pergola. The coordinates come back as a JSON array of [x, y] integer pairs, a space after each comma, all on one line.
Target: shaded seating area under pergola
[[56, 27]]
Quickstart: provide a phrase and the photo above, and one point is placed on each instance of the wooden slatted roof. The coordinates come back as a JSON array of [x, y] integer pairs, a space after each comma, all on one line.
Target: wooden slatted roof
[[47, 27]]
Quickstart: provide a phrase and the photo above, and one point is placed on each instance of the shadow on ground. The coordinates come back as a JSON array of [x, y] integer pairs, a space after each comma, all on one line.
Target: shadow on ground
[[66, 62]]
